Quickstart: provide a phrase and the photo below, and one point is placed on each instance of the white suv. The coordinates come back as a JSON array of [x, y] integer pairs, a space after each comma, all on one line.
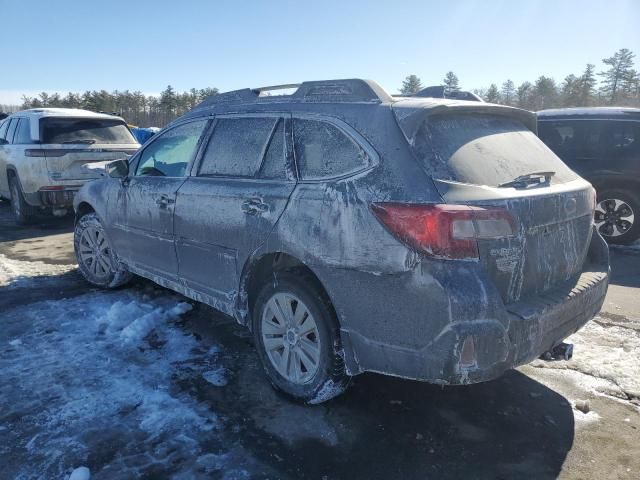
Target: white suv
[[43, 150]]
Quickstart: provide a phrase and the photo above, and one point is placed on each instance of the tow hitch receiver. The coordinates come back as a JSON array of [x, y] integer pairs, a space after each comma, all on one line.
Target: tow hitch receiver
[[564, 351]]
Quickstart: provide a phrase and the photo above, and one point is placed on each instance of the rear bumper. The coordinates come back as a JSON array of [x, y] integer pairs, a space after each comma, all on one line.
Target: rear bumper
[[479, 349], [52, 198]]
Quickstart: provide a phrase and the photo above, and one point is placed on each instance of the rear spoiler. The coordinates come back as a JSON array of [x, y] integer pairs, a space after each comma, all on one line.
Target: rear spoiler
[[410, 114]]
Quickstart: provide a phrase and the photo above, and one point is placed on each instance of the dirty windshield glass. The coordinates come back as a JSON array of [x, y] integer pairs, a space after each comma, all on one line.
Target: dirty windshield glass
[[85, 130], [484, 150]]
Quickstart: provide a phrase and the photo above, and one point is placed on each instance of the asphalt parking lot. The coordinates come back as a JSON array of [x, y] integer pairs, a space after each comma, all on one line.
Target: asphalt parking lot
[[142, 383]]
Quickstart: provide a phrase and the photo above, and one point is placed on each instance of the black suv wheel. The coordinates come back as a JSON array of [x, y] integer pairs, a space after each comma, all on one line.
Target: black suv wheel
[[617, 216]]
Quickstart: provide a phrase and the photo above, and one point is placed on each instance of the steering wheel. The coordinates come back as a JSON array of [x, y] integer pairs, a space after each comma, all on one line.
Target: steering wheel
[[152, 172]]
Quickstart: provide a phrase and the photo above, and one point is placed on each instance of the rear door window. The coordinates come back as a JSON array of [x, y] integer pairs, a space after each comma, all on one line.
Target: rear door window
[[274, 163], [84, 131], [13, 123], [238, 146], [23, 133], [4, 125], [483, 150], [169, 154], [323, 150]]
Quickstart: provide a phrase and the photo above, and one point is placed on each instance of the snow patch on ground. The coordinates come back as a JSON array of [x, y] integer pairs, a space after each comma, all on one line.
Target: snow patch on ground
[[80, 473], [607, 359], [217, 377], [99, 366], [582, 418], [15, 273], [611, 353]]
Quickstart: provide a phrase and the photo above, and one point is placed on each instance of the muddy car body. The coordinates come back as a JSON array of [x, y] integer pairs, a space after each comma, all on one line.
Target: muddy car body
[[423, 245]]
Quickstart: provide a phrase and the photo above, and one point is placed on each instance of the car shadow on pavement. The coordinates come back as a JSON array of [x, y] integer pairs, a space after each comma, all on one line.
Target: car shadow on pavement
[[385, 427], [624, 266], [44, 225]]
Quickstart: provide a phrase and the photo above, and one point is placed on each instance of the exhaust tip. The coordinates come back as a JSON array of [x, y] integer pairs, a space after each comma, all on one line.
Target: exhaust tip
[[563, 351]]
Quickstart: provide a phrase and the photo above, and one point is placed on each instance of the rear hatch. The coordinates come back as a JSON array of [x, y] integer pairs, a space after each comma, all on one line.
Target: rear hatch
[[485, 155], [68, 143]]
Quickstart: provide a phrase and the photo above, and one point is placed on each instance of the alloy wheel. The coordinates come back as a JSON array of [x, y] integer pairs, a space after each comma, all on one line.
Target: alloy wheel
[[95, 253], [290, 338], [613, 217]]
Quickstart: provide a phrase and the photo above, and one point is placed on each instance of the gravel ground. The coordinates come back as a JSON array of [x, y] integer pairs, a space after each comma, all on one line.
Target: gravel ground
[[143, 383]]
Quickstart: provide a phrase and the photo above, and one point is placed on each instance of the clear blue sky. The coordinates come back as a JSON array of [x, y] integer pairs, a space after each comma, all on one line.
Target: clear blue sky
[[145, 45]]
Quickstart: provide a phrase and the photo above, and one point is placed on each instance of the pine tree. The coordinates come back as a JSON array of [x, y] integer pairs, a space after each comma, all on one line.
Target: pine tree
[[410, 85], [571, 91], [508, 93], [587, 85], [618, 79], [450, 83], [524, 93], [492, 95], [168, 101], [545, 93]]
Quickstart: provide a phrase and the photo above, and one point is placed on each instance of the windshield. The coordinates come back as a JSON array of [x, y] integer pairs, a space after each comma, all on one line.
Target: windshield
[[484, 150], [85, 131]]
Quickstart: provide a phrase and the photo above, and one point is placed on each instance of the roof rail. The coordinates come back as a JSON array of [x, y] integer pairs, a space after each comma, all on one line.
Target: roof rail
[[438, 91], [321, 91]]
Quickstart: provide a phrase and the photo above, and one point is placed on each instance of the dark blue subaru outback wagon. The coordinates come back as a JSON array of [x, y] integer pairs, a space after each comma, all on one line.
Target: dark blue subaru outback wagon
[[352, 231]]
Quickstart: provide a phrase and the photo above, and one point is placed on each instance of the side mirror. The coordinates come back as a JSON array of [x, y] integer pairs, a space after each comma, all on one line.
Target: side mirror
[[118, 168], [3, 141]]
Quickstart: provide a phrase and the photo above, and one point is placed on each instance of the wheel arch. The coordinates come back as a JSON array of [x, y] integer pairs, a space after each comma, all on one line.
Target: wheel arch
[[259, 268], [611, 182], [84, 207]]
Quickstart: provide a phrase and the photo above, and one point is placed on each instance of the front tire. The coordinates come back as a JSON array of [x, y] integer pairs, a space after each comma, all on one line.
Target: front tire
[[297, 339], [617, 216], [97, 261], [23, 213]]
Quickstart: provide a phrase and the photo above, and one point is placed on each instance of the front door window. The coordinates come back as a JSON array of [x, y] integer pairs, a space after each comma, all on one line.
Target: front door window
[[170, 153]]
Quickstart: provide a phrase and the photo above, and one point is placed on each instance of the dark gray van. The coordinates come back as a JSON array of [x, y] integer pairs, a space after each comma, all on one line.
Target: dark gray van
[[351, 231], [602, 144]]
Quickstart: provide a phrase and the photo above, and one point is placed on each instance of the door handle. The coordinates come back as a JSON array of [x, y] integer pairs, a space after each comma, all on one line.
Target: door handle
[[254, 206], [164, 200]]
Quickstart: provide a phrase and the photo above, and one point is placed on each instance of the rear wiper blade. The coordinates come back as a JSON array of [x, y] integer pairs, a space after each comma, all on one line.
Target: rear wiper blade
[[88, 141], [533, 178]]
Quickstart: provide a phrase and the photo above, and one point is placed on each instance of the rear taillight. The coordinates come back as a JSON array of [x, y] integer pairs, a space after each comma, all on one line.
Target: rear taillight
[[444, 231], [592, 198]]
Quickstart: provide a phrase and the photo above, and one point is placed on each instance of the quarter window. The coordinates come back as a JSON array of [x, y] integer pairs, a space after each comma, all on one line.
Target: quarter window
[[625, 136], [169, 154], [323, 150], [238, 146]]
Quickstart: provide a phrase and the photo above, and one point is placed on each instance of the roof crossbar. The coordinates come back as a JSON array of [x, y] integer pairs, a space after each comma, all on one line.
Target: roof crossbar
[[322, 91]]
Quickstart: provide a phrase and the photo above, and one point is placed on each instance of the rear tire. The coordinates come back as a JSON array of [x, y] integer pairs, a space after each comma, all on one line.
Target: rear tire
[[298, 340], [97, 261], [23, 213], [617, 216]]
